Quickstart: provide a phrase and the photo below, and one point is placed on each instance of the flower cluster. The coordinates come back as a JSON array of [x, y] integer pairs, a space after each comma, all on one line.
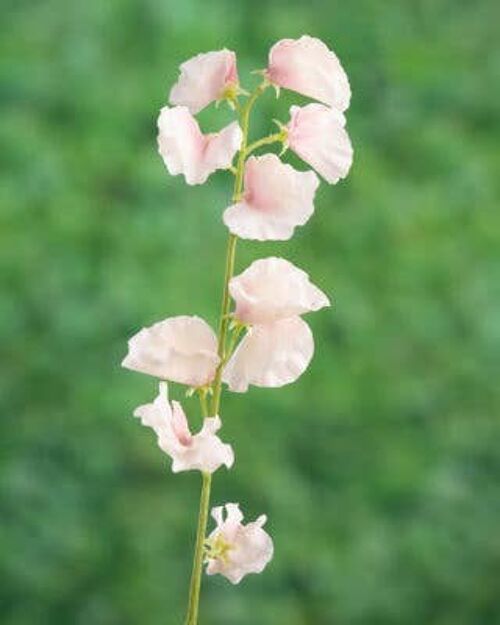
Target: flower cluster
[[264, 340]]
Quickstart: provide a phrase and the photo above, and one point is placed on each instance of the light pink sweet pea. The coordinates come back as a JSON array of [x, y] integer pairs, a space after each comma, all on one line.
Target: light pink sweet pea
[[179, 349], [308, 66], [234, 549], [205, 78], [201, 452], [272, 289], [276, 199], [317, 134], [270, 355], [186, 150]]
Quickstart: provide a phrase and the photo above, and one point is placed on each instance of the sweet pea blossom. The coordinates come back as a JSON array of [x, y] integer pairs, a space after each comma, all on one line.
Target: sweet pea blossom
[[276, 199], [186, 150], [202, 452], [317, 134], [205, 78], [270, 355], [308, 66], [180, 349], [235, 550], [274, 288]]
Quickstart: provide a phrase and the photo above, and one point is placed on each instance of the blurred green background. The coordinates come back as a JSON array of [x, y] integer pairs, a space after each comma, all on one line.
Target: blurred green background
[[380, 468]]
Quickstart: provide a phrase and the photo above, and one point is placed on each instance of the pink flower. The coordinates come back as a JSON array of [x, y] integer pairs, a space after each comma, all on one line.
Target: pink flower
[[317, 134], [276, 199], [235, 550], [270, 355], [186, 150], [205, 78], [307, 66], [201, 452], [180, 349], [272, 289]]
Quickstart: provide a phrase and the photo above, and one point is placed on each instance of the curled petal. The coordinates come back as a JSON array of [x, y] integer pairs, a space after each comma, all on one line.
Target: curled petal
[[276, 199], [204, 79], [237, 549], [272, 289], [180, 349], [308, 66], [202, 452], [270, 355], [317, 134], [185, 150]]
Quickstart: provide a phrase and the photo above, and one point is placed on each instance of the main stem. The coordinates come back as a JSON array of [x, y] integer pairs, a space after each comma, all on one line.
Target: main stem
[[195, 585]]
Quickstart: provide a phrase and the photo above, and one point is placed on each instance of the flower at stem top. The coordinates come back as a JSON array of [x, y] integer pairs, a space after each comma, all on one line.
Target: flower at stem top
[[202, 452], [308, 66], [206, 78], [276, 198], [235, 550], [186, 150], [179, 349]]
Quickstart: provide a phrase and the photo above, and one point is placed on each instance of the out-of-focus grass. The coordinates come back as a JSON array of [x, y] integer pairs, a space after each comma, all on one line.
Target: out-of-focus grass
[[379, 469]]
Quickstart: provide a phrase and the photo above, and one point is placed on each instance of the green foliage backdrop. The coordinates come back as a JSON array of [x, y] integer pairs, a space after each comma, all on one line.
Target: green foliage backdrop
[[380, 468]]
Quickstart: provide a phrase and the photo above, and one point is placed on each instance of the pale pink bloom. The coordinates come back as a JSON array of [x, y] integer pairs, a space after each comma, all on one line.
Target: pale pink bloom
[[270, 355], [234, 549], [201, 452], [272, 289], [186, 150], [317, 134], [308, 66], [205, 78], [180, 349], [276, 199]]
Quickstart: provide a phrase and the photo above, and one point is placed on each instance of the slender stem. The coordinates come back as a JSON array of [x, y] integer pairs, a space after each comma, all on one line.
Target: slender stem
[[194, 588], [195, 585], [274, 138]]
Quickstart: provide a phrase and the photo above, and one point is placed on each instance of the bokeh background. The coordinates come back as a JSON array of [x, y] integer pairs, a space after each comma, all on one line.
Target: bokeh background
[[380, 468]]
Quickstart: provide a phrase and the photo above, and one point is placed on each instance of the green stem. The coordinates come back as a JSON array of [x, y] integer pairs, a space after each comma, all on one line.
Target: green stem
[[195, 585], [274, 138]]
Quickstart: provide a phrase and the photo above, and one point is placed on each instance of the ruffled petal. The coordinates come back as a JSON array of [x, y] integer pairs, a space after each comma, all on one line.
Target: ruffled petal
[[308, 66], [185, 150], [238, 549], [317, 134], [204, 79], [276, 199], [272, 289], [180, 349], [270, 355]]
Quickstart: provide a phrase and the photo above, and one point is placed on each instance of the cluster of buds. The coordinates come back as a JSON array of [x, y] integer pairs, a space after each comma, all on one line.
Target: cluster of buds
[[263, 341]]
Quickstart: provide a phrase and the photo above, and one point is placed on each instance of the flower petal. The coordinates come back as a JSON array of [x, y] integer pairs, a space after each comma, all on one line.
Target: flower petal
[[185, 150], [308, 66], [201, 452], [246, 548], [270, 355], [276, 199], [272, 289], [180, 349], [203, 80], [317, 134]]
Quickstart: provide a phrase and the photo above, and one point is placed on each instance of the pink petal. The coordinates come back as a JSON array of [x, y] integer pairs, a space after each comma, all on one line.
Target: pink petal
[[272, 289], [185, 150], [203, 80], [250, 547], [306, 65], [180, 349], [270, 355], [200, 452], [317, 134], [276, 199]]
